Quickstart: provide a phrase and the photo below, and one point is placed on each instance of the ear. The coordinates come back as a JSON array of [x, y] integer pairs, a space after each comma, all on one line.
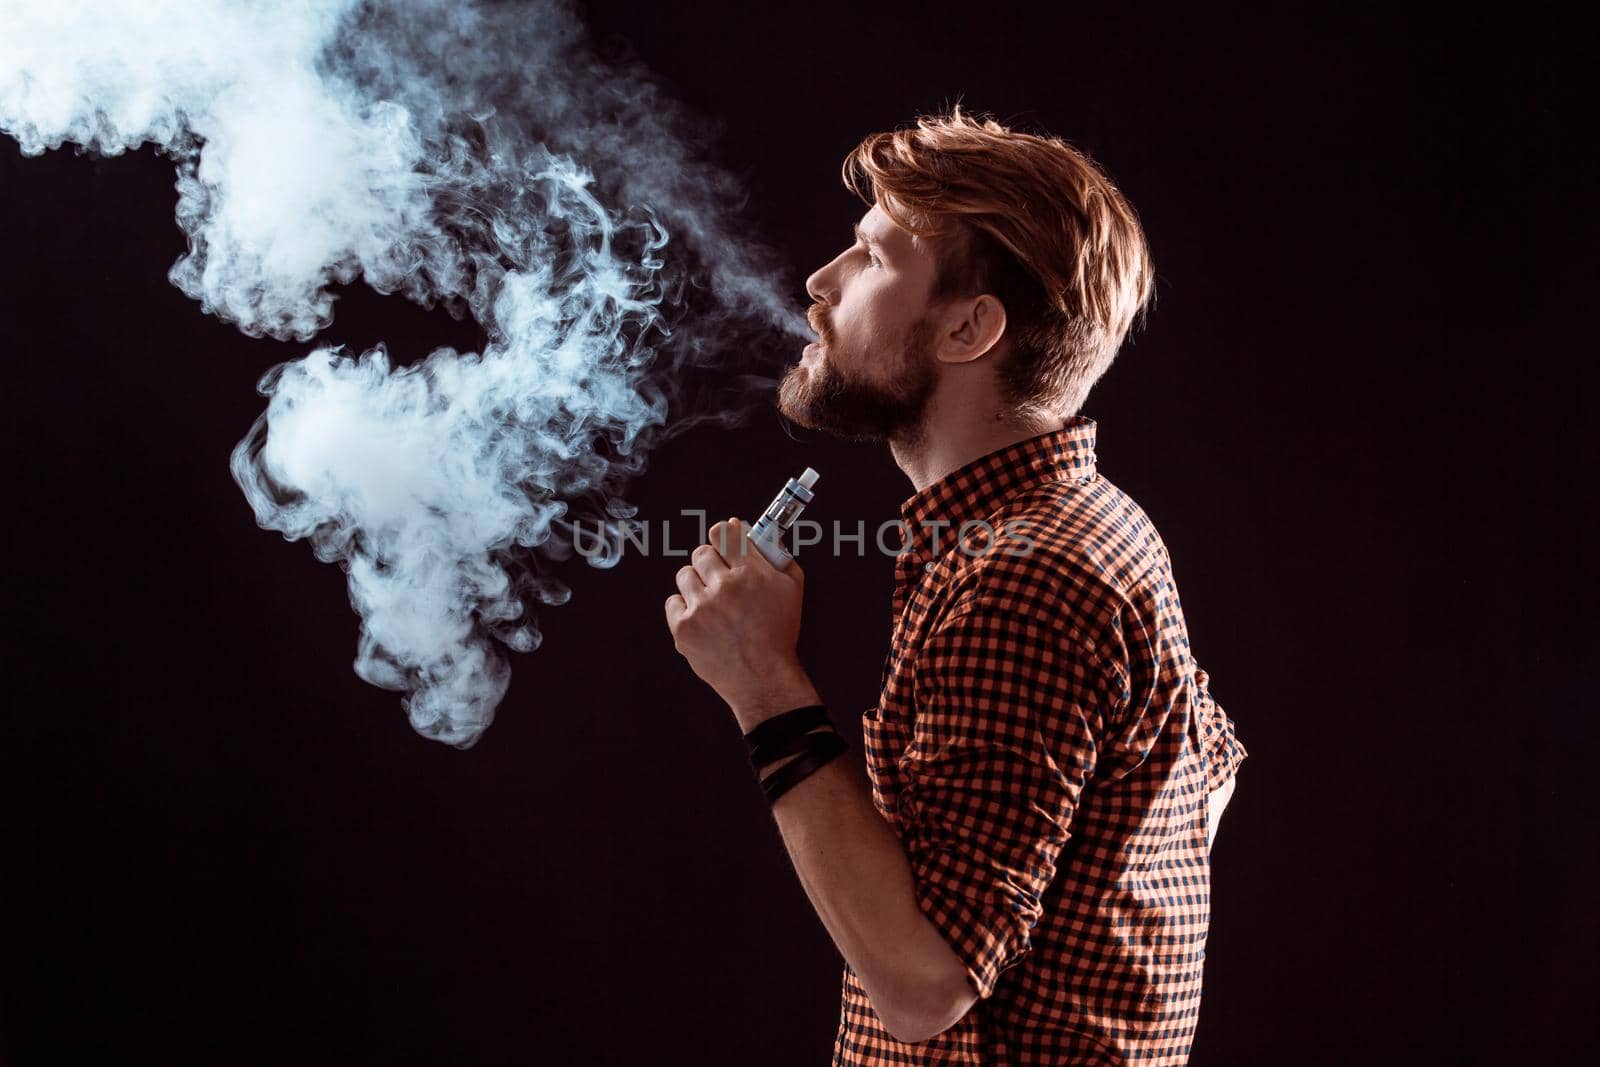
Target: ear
[[971, 328]]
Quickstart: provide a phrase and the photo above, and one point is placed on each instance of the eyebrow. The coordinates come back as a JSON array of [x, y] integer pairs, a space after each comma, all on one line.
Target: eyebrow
[[867, 239]]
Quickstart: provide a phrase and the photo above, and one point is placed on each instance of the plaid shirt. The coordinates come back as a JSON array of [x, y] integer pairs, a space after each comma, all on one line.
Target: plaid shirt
[[1044, 745]]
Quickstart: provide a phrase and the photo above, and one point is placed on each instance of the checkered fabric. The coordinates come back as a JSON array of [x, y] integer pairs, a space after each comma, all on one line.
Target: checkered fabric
[[1044, 744]]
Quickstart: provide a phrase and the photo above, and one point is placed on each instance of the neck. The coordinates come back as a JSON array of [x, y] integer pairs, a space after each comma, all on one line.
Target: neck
[[954, 434]]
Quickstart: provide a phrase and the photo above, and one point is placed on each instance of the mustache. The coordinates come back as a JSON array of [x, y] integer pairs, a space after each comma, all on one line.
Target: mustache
[[818, 325]]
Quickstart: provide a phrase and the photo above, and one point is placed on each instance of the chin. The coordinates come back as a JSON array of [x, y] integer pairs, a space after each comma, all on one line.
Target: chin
[[790, 385]]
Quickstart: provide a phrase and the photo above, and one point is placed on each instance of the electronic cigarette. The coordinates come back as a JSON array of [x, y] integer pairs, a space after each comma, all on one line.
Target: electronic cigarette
[[780, 515]]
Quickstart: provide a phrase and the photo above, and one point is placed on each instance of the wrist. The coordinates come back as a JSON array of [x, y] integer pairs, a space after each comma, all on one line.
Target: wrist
[[768, 770], [792, 689]]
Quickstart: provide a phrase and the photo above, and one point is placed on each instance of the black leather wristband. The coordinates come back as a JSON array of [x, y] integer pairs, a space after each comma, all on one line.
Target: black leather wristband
[[820, 749], [769, 754], [779, 728]]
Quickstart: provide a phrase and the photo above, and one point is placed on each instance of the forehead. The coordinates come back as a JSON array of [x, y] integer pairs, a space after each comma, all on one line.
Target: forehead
[[876, 226]]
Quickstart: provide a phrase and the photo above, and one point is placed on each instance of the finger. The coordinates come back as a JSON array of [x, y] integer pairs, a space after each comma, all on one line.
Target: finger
[[675, 607], [725, 539], [690, 585], [708, 563], [740, 548]]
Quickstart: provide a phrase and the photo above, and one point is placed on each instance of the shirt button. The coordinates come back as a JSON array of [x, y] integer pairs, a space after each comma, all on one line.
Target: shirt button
[[927, 566]]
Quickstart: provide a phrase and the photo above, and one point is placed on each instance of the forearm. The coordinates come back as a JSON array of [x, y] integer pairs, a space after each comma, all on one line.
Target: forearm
[[856, 873]]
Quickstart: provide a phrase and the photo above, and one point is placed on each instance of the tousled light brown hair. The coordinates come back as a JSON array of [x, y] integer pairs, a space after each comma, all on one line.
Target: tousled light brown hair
[[1032, 221]]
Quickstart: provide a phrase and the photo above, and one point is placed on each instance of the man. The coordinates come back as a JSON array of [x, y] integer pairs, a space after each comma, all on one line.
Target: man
[[1026, 881]]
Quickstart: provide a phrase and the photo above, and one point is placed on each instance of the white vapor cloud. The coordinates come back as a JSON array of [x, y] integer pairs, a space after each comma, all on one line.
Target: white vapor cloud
[[473, 155]]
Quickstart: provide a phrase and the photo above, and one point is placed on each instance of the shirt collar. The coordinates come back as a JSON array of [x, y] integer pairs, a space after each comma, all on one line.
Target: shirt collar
[[977, 489]]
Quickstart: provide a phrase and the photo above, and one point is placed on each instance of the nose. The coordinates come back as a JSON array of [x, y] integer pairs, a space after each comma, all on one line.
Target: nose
[[823, 286]]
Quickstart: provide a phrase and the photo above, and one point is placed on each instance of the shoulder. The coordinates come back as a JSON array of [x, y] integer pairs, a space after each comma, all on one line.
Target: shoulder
[[1072, 555]]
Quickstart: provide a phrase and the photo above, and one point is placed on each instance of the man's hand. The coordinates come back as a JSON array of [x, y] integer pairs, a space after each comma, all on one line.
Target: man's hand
[[736, 619]]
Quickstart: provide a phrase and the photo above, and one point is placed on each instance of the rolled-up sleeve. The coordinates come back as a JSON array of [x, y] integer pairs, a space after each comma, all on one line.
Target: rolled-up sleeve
[[1223, 752], [1003, 742]]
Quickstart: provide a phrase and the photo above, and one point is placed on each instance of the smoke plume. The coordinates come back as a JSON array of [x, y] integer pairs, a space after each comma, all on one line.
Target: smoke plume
[[471, 155]]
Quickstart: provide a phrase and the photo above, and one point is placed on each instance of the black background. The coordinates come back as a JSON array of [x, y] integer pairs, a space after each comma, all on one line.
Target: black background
[[1354, 414]]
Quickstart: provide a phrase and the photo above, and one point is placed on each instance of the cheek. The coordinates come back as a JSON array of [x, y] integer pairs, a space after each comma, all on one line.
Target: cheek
[[870, 314]]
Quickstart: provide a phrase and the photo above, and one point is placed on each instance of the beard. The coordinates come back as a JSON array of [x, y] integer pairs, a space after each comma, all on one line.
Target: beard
[[847, 404]]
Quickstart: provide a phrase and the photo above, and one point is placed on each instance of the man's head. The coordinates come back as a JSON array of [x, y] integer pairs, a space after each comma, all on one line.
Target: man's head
[[985, 252]]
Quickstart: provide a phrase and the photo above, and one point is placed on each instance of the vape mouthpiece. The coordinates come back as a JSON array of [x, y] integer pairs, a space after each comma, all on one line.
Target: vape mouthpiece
[[785, 508]]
